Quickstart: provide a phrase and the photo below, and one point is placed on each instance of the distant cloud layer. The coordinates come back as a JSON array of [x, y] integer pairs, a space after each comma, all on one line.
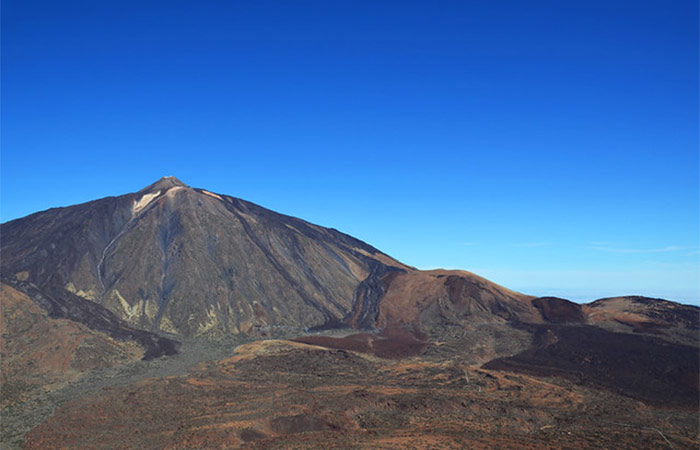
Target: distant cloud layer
[[670, 248]]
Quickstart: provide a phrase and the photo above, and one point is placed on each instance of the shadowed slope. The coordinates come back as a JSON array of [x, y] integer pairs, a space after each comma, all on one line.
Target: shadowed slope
[[62, 304], [643, 367]]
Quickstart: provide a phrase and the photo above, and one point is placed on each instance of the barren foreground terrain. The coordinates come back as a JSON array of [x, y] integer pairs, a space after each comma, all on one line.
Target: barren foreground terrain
[[281, 394]]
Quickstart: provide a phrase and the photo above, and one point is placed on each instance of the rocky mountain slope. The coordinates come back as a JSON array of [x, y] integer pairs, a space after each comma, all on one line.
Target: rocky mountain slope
[[39, 353], [188, 261], [185, 261], [170, 274]]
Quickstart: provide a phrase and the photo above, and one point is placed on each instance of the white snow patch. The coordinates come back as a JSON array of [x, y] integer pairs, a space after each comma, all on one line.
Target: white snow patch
[[211, 194], [143, 201]]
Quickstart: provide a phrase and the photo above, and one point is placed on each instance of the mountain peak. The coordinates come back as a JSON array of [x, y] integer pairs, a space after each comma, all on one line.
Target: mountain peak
[[164, 184]]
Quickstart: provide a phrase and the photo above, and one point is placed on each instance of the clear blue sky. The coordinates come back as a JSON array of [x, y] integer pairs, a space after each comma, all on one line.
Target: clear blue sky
[[551, 146]]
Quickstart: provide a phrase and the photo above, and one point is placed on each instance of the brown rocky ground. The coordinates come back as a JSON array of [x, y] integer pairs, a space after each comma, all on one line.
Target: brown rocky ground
[[454, 366], [282, 394], [394, 342], [671, 321], [39, 353]]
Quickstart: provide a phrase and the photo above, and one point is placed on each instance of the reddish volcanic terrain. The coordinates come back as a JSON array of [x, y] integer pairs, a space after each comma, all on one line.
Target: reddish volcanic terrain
[[174, 317], [279, 394], [39, 353]]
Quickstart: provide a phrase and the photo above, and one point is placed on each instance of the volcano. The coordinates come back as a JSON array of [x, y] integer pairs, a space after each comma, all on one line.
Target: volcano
[[187, 261], [172, 274]]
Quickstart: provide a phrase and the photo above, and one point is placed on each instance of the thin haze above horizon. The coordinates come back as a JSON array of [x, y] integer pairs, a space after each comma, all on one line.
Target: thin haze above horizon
[[549, 146]]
